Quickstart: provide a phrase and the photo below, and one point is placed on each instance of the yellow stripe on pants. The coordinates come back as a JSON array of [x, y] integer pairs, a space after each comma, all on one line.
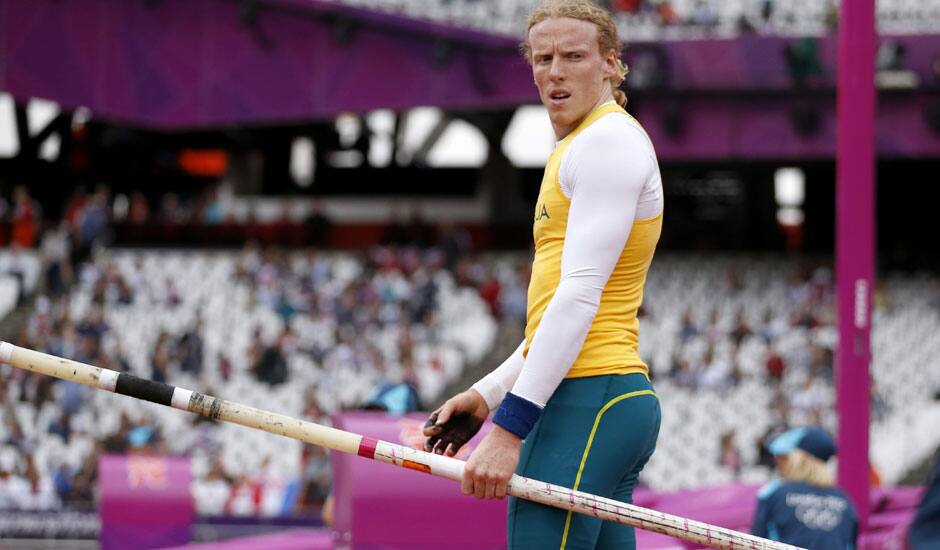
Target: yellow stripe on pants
[[587, 448]]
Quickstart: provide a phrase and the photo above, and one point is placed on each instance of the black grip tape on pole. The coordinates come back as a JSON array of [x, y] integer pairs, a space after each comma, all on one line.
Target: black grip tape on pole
[[141, 388]]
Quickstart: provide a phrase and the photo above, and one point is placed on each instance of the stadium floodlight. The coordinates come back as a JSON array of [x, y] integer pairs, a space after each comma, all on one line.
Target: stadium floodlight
[[529, 140], [302, 161], [790, 187], [9, 141]]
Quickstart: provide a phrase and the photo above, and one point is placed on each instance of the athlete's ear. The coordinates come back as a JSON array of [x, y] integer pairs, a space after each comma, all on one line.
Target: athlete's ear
[[610, 63]]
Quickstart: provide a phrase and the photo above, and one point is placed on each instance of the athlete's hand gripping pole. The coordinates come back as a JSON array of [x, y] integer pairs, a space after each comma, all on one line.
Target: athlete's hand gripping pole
[[339, 440]]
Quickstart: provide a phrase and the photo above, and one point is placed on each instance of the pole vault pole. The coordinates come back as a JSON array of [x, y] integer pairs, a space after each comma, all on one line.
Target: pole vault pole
[[855, 242], [347, 442]]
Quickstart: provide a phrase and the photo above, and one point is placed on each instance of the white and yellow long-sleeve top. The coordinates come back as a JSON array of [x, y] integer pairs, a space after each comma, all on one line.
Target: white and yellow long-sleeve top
[[597, 221]]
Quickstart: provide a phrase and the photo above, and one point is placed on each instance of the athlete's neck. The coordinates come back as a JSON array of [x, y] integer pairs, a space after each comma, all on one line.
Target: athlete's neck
[[562, 130]]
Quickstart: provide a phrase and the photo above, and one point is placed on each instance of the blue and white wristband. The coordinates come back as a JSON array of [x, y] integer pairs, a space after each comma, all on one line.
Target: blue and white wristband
[[517, 415]]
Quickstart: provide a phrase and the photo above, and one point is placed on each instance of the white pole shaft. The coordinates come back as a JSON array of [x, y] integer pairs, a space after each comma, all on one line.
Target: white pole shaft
[[383, 451]]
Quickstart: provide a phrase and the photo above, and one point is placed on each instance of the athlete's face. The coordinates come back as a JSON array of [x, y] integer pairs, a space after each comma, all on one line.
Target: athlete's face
[[570, 71]]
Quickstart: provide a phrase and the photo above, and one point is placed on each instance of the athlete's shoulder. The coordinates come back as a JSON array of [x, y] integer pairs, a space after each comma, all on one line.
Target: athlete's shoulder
[[613, 132], [616, 126], [770, 489]]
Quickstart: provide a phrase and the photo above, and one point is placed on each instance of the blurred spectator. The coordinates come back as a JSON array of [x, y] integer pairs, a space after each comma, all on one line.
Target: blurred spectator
[[489, 291], [667, 13], [513, 294], [17, 266], [878, 405], [189, 349], [689, 328], [764, 456], [649, 67], [138, 211], [85, 481], [319, 227], [627, 6], [741, 328], [395, 399], [169, 295], [212, 492], [4, 213], [316, 476], [172, 210], [211, 208], [804, 62], [704, 15], [94, 221], [455, 243], [118, 441], [62, 427], [775, 365], [74, 207], [681, 372], [26, 218], [161, 358], [730, 455], [225, 367], [271, 365], [31, 491], [244, 498], [113, 288], [56, 250]]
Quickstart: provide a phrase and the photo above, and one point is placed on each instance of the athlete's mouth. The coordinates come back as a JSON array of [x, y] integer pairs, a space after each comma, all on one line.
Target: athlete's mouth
[[559, 95]]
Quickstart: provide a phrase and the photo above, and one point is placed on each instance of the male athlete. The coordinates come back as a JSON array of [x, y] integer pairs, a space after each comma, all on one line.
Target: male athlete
[[573, 404]]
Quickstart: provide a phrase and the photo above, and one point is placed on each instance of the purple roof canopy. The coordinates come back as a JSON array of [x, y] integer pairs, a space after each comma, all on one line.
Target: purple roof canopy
[[179, 64]]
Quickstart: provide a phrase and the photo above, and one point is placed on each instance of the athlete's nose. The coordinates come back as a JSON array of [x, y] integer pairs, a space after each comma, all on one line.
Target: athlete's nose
[[555, 71]]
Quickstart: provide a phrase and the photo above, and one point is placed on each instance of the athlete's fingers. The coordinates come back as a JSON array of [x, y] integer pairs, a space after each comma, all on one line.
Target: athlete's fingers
[[500, 492], [466, 483], [479, 487], [491, 488], [431, 432], [431, 427]]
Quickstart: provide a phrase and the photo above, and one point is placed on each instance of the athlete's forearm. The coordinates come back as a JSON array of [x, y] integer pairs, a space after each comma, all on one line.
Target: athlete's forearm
[[561, 334], [494, 386]]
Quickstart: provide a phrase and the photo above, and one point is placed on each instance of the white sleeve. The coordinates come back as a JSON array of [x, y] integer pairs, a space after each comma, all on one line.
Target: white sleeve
[[607, 172], [494, 386]]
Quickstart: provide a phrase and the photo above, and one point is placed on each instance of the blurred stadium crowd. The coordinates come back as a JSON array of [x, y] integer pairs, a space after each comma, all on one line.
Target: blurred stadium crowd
[[310, 332], [650, 20]]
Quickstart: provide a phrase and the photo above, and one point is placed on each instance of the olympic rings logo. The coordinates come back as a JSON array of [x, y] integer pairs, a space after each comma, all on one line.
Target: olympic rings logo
[[819, 518]]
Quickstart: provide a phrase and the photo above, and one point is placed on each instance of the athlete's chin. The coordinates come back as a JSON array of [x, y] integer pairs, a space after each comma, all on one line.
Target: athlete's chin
[[562, 116]]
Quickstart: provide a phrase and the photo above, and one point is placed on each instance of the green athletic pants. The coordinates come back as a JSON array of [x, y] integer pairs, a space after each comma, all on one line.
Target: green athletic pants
[[595, 435]]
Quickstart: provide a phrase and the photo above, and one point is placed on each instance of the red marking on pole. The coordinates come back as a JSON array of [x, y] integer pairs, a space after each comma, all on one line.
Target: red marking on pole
[[367, 447]]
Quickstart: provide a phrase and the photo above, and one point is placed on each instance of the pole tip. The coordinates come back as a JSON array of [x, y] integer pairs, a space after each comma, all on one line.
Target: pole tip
[[6, 352]]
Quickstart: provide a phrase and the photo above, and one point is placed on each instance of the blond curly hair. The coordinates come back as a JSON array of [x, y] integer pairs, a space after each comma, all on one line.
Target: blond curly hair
[[583, 10]]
